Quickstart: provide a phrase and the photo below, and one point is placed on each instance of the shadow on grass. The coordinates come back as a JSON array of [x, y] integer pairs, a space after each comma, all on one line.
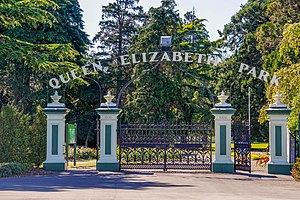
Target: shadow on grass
[[80, 179]]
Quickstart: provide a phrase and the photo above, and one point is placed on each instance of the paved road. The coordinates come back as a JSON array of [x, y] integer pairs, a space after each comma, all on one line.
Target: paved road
[[91, 185]]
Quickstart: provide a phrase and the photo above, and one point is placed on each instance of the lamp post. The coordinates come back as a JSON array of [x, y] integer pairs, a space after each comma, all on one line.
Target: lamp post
[[249, 109], [299, 135], [166, 43], [231, 91]]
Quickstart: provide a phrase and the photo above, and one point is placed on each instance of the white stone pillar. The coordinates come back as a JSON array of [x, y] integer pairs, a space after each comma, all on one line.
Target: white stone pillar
[[279, 137], [108, 135], [56, 113], [223, 112]]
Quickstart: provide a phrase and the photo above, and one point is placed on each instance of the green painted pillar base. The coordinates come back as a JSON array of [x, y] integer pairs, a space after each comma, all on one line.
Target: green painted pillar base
[[112, 167], [284, 169], [55, 166], [223, 167]]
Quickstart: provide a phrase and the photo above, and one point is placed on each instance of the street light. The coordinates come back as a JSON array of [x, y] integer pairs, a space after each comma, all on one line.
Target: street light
[[165, 43]]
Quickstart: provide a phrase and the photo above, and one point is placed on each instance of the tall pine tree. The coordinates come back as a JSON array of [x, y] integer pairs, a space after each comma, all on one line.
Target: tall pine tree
[[166, 92], [120, 21]]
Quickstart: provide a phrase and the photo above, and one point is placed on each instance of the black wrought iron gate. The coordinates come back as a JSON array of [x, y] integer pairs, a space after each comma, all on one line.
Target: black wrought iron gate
[[242, 146], [165, 146]]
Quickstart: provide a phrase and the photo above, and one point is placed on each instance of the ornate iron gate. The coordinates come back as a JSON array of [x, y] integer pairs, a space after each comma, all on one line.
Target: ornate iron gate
[[165, 146], [242, 146]]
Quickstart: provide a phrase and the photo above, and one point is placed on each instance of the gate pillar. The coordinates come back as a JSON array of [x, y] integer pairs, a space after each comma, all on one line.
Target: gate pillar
[[108, 135], [56, 113], [279, 137], [223, 112]]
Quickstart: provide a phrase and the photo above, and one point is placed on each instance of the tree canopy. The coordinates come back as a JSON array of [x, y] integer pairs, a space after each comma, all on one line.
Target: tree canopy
[[40, 39]]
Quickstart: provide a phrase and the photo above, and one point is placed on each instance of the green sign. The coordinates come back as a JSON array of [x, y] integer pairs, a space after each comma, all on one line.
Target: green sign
[[71, 133]]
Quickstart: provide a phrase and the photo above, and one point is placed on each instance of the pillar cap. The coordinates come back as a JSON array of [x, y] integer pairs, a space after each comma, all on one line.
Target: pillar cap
[[56, 107], [222, 104], [55, 103], [278, 108], [223, 108], [109, 104], [108, 110], [278, 103]]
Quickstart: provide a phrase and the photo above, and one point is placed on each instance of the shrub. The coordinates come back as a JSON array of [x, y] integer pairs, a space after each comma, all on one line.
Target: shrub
[[38, 138], [296, 170], [15, 135], [12, 169], [19, 141]]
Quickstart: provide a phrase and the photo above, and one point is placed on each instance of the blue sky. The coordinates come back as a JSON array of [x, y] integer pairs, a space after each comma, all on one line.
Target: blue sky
[[217, 12]]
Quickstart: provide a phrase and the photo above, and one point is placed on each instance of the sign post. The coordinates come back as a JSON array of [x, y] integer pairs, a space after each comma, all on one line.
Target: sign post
[[67, 144], [71, 138], [299, 135]]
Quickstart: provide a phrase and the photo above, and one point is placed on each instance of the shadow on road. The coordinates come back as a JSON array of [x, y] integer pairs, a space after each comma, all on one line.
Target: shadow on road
[[80, 179]]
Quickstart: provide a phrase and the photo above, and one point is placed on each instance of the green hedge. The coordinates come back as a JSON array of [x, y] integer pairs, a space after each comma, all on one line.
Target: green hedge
[[12, 169], [296, 170], [23, 137]]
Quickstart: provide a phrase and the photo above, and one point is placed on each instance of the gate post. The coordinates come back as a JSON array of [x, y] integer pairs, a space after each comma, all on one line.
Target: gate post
[[56, 113], [223, 112], [278, 137], [108, 135]]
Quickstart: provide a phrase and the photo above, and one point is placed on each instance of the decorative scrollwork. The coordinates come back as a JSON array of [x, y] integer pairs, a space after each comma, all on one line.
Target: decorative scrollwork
[[165, 146], [242, 146]]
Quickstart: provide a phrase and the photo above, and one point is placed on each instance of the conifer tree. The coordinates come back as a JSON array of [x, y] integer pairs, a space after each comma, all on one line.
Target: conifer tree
[[29, 68], [120, 21], [166, 91]]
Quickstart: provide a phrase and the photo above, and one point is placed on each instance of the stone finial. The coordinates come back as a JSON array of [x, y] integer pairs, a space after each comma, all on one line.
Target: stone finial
[[278, 103], [56, 102], [55, 97], [222, 98], [109, 97]]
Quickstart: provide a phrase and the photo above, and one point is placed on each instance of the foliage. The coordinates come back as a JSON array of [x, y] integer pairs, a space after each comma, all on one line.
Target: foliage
[[38, 138], [12, 169], [83, 153], [154, 93], [15, 13], [263, 34], [239, 36], [121, 20], [35, 51], [39, 48], [169, 91], [22, 142], [15, 135], [296, 170], [281, 54]]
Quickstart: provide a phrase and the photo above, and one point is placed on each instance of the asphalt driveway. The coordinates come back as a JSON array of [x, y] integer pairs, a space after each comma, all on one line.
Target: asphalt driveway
[[89, 184]]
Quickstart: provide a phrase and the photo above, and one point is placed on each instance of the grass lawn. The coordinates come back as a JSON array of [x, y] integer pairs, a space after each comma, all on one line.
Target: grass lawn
[[259, 145], [83, 163], [253, 145]]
